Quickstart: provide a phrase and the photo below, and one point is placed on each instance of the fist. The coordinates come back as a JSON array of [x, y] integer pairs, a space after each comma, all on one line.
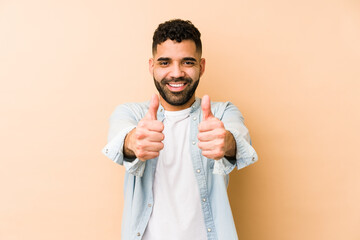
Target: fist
[[212, 134], [145, 141]]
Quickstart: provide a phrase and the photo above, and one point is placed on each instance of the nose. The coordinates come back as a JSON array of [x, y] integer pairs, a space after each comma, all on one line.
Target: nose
[[177, 71]]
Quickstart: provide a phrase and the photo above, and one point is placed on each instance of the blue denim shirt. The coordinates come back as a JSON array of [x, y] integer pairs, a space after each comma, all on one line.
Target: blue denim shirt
[[212, 176]]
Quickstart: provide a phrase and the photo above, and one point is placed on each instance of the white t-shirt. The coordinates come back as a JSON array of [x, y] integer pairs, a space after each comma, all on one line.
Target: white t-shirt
[[177, 213]]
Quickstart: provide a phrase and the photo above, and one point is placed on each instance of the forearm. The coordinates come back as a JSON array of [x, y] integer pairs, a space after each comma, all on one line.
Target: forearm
[[230, 146], [128, 153]]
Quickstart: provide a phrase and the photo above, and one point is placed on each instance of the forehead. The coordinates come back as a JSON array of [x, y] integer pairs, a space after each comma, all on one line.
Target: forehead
[[173, 49]]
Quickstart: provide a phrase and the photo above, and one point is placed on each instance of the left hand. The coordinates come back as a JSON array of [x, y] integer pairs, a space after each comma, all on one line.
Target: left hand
[[213, 137]]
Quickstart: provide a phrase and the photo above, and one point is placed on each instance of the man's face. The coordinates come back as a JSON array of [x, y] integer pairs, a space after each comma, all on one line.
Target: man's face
[[176, 69]]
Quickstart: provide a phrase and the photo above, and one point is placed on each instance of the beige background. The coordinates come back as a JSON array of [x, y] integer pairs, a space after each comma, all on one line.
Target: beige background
[[292, 67]]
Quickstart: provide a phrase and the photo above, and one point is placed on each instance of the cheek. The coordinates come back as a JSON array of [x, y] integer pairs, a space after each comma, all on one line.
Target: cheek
[[159, 73], [193, 73]]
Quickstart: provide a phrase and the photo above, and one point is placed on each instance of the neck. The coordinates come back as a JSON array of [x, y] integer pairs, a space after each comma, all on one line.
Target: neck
[[169, 107]]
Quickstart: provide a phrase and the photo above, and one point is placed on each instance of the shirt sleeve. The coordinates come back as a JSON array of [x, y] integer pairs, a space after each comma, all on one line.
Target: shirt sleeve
[[245, 153], [223, 166], [122, 121]]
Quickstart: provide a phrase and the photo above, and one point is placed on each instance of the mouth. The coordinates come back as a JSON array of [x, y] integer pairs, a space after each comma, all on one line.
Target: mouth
[[176, 87]]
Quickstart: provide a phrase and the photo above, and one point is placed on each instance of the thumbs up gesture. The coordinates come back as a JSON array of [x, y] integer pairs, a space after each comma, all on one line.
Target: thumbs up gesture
[[214, 141], [144, 141]]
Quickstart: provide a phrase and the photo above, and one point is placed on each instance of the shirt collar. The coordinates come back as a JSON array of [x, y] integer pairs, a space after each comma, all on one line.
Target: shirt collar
[[194, 107]]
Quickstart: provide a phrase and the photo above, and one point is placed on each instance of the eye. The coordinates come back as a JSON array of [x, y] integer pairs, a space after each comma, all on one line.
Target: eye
[[189, 63], [163, 63]]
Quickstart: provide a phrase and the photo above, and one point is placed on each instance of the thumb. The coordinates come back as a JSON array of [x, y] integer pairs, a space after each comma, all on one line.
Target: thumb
[[154, 105], [206, 107]]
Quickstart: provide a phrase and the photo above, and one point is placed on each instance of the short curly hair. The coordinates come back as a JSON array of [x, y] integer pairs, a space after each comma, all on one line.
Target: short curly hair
[[177, 30]]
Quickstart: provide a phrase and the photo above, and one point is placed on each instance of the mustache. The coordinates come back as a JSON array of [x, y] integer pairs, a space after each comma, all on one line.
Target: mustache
[[181, 79]]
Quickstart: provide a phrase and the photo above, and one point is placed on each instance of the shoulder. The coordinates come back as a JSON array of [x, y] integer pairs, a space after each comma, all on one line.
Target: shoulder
[[134, 109], [220, 109], [219, 106]]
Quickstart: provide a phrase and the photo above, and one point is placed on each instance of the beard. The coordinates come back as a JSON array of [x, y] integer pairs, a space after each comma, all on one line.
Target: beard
[[176, 98]]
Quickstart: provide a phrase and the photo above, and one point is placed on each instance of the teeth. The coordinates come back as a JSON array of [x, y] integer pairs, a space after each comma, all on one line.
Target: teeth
[[176, 85]]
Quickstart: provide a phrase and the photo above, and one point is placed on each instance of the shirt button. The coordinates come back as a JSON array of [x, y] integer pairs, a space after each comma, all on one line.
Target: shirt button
[[204, 199], [106, 151], [138, 234], [198, 171], [193, 143], [253, 159], [194, 118], [149, 205], [209, 229]]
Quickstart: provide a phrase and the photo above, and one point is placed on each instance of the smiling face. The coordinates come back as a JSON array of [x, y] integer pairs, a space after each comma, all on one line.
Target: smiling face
[[176, 68]]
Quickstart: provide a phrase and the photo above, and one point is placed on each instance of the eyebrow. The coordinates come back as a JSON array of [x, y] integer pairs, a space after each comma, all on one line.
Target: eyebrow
[[163, 59], [189, 59], [184, 59]]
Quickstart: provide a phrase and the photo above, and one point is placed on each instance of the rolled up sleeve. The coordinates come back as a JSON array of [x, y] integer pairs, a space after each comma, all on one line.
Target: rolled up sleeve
[[122, 121], [245, 153]]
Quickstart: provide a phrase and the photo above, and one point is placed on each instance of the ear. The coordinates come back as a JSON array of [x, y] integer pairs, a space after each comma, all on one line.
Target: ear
[[151, 65], [202, 66]]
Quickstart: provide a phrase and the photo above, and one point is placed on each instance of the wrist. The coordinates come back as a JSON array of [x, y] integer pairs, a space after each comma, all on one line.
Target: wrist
[[127, 148], [230, 146]]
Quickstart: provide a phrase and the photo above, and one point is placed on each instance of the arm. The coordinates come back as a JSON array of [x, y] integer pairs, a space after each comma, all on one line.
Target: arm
[[133, 137], [234, 123], [128, 153], [122, 121], [230, 147], [225, 138]]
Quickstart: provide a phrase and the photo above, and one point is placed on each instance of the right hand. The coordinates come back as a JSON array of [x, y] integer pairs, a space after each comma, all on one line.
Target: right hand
[[144, 141]]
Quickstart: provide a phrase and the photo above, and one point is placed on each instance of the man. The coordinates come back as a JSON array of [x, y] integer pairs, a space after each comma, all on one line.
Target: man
[[178, 150]]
